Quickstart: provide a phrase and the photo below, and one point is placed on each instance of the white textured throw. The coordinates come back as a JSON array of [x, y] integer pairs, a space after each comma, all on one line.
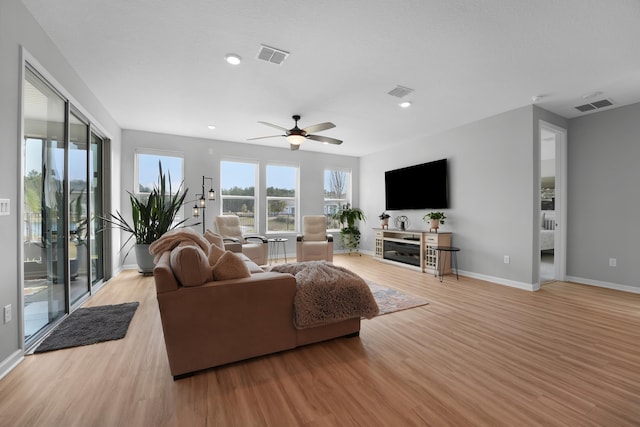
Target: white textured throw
[[327, 293]]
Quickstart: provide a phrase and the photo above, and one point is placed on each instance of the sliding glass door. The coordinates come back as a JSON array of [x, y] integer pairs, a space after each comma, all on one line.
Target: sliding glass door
[[63, 246], [44, 232]]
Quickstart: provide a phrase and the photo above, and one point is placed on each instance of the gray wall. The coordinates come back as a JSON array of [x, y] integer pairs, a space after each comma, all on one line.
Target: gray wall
[[18, 28], [491, 182], [604, 198], [202, 157]]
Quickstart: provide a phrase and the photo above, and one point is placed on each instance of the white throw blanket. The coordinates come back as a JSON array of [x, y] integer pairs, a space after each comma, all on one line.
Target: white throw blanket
[[173, 238], [327, 293]]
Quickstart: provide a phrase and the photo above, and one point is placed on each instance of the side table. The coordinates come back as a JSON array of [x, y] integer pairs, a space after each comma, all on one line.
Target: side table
[[274, 248], [453, 258]]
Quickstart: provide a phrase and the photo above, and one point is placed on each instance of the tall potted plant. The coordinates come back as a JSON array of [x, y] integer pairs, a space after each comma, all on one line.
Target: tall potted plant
[[349, 233], [152, 216]]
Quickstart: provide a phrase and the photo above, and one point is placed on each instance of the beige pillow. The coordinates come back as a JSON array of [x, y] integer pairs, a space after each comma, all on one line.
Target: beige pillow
[[214, 239], [215, 253], [190, 265], [229, 266]]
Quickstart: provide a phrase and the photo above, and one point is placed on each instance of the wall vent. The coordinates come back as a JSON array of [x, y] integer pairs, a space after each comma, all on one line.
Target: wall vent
[[400, 91], [271, 54], [594, 105]]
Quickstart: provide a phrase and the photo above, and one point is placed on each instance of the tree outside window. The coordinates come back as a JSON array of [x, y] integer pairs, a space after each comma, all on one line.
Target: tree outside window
[[337, 184]]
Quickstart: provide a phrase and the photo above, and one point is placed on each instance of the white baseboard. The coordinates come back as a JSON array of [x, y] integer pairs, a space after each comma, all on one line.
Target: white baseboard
[[501, 281], [11, 362], [601, 284]]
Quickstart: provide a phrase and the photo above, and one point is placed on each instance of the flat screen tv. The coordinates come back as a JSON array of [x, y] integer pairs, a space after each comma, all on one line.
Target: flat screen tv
[[422, 186]]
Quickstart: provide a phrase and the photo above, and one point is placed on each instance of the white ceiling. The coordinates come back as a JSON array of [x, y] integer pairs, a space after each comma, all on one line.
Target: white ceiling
[[158, 65]]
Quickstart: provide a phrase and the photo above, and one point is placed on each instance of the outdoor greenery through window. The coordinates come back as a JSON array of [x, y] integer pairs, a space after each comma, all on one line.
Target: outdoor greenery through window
[[238, 192], [282, 184], [336, 193]]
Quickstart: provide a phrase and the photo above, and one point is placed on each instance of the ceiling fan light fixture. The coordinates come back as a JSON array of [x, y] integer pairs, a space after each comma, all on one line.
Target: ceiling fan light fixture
[[232, 58], [295, 139]]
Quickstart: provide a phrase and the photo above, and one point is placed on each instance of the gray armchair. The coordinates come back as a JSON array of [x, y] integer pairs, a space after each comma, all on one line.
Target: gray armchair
[[314, 244], [254, 247]]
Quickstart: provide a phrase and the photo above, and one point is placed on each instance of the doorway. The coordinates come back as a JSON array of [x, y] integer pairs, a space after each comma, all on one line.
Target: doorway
[[552, 207]]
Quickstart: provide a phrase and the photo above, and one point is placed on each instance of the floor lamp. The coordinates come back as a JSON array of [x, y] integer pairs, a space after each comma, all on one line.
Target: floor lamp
[[201, 203]]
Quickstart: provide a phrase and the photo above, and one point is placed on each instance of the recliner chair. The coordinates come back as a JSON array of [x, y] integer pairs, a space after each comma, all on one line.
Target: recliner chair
[[314, 244], [255, 247]]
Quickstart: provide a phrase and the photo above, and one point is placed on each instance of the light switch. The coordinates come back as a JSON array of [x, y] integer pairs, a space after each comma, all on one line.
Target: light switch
[[4, 207]]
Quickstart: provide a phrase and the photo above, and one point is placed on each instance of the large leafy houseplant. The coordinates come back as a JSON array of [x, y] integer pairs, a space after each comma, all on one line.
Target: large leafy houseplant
[[349, 233], [152, 215]]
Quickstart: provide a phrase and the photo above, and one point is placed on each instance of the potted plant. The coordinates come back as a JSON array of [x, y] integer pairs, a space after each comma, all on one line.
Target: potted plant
[[152, 216], [435, 219], [349, 233], [384, 219]]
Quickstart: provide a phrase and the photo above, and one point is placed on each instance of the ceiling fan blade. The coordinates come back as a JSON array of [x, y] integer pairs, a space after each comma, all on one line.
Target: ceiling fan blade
[[325, 139], [263, 137], [319, 127], [294, 147], [274, 126]]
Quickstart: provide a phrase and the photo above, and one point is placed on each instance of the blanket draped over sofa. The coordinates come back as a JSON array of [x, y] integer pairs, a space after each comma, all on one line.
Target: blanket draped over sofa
[[327, 293]]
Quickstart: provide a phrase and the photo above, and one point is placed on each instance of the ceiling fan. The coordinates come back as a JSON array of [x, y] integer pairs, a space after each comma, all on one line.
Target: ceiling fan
[[296, 136]]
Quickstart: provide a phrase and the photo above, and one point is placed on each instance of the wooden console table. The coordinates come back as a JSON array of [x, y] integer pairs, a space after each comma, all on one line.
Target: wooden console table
[[411, 248]]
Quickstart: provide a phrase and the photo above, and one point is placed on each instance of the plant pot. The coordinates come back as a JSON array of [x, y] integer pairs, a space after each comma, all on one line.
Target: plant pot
[[384, 223], [144, 259], [435, 224]]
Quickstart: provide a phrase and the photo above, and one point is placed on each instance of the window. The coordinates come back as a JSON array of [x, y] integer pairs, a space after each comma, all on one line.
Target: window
[[238, 192], [337, 185], [282, 189], [147, 172]]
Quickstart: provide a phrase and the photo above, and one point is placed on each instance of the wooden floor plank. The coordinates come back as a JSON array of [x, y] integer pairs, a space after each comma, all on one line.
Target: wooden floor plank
[[479, 354]]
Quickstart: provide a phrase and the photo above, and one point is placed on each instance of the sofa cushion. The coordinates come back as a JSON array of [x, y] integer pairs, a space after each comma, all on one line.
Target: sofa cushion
[[230, 266], [215, 253], [214, 238], [190, 265]]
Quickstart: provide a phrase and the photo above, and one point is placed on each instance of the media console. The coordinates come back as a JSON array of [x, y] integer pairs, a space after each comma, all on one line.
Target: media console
[[412, 248]]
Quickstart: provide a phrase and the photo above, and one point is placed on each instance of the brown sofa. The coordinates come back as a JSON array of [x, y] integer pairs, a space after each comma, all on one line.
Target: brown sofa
[[225, 321]]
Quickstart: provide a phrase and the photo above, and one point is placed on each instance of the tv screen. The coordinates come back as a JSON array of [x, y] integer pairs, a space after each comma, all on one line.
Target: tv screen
[[422, 186]]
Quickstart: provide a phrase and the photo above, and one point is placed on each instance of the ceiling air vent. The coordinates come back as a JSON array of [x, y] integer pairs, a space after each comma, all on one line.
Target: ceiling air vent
[[595, 105], [271, 54], [400, 91]]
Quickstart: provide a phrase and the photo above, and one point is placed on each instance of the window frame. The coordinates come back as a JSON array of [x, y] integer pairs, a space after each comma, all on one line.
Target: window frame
[[256, 181], [338, 201], [175, 185], [295, 200]]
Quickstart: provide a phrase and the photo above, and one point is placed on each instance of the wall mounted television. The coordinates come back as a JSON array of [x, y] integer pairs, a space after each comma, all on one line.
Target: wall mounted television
[[422, 186]]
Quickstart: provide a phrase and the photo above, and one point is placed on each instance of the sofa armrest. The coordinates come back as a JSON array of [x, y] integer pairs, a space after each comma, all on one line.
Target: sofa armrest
[[226, 321], [260, 238]]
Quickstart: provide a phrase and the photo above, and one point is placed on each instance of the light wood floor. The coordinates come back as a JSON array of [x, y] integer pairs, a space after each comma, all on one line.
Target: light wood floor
[[479, 354]]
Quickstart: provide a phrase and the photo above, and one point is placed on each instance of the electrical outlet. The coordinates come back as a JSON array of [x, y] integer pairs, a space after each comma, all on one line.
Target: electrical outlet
[[613, 262], [7, 313], [507, 259]]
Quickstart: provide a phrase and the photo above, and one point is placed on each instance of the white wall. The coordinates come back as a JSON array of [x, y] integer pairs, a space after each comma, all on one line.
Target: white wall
[[491, 178], [603, 199], [18, 28], [202, 157]]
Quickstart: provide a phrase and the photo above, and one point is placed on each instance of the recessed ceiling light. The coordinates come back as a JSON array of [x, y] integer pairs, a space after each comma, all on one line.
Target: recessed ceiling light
[[212, 127], [591, 95], [405, 104], [232, 58]]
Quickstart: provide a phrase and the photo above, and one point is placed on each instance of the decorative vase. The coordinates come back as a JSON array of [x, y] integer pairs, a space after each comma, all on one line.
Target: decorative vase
[[435, 224], [144, 259]]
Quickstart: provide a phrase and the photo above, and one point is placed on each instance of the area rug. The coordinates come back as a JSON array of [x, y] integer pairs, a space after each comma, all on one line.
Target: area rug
[[90, 325], [391, 300]]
